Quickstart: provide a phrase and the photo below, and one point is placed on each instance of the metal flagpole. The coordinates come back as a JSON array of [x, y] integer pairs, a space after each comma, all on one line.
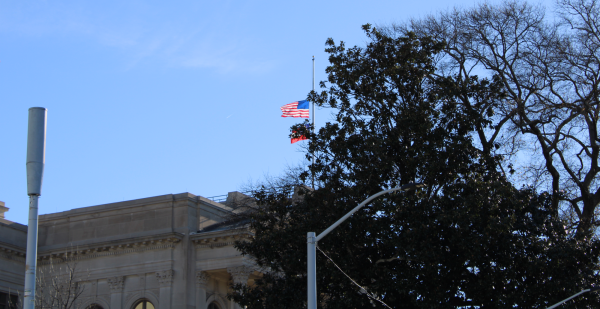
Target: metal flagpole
[[313, 121]]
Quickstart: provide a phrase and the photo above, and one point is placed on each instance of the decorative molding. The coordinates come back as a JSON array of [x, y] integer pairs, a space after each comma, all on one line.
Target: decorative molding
[[13, 257], [11, 252], [216, 245], [202, 278], [165, 277], [116, 284], [216, 241], [240, 274], [168, 241]]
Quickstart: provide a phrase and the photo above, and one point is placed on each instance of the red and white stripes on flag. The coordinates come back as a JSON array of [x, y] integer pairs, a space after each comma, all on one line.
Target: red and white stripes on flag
[[298, 109]]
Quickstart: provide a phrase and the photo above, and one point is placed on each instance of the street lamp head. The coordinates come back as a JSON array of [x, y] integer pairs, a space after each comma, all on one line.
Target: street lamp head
[[412, 186]]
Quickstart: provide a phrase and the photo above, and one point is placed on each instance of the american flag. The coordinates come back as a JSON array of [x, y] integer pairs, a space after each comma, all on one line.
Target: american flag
[[298, 109]]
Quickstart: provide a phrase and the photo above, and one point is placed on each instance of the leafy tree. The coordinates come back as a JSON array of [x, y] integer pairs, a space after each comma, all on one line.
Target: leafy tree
[[470, 239], [550, 73]]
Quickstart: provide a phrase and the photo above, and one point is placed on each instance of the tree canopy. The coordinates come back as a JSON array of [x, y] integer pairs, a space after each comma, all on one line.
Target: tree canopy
[[549, 71], [473, 238]]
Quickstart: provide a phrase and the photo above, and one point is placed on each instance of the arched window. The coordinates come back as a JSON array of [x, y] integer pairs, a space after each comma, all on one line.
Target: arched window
[[143, 304], [94, 306], [213, 305]]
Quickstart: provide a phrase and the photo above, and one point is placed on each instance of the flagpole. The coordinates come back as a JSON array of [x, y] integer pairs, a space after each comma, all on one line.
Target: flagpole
[[313, 103], [313, 119]]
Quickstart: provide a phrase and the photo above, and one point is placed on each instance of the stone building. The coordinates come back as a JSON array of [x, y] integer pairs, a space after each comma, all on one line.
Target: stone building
[[168, 251]]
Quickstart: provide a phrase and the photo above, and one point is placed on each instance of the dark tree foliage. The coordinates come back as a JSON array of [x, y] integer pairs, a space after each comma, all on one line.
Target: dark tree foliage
[[470, 239]]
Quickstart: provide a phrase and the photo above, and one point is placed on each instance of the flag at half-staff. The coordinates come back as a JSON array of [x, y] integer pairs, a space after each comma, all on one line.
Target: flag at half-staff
[[298, 109], [300, 132]]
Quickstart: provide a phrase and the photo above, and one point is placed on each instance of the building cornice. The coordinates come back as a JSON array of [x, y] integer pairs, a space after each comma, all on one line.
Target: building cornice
[[13, 225], [117, 247], [146, 202], [217, 239], [12, 252]]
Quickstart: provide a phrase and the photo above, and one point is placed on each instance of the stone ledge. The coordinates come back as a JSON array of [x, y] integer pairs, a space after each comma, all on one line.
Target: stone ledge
[[148, 201], [117, 247], [219, 238], [11, 250], [13, 257], [143, 202], [13, 225]]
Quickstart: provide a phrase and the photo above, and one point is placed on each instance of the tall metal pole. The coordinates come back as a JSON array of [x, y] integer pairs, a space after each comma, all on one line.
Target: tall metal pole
[[313, 119], [311, 243], [313, 103], [311, 273], [36, 153]]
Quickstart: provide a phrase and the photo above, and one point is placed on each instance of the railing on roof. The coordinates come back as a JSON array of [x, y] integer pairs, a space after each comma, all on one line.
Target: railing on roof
[[218, 198], [223, 198]]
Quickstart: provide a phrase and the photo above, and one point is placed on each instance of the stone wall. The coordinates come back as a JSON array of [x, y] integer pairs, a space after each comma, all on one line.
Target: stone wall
[[13, 240], [156, 249]]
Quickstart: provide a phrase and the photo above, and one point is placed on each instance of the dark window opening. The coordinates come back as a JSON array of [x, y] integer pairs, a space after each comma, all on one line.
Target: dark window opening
[[8, 301]]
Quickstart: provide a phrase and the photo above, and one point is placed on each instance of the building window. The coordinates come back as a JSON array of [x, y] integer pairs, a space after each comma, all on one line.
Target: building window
[[143, 304], [94, 306], [213, 305], [8, 301]]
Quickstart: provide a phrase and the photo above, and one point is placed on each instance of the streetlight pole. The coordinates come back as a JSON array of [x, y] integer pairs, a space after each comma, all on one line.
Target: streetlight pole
[[312, 240], [36, 157]]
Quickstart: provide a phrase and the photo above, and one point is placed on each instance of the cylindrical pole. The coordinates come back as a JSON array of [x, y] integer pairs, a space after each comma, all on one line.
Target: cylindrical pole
[[31, 260], [313, 103], [36, 149], [313, 120], [311, 273], [36, 156]]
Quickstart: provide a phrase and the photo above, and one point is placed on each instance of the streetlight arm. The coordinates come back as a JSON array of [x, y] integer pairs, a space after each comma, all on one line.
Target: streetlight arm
[[408, 187], [311, 244], [573, 296]]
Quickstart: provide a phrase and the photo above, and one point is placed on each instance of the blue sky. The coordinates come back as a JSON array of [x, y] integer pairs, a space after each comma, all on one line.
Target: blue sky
[[147, 98]]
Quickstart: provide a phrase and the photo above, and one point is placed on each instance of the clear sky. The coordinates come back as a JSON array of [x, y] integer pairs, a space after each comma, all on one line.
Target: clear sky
[[147, 98]]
